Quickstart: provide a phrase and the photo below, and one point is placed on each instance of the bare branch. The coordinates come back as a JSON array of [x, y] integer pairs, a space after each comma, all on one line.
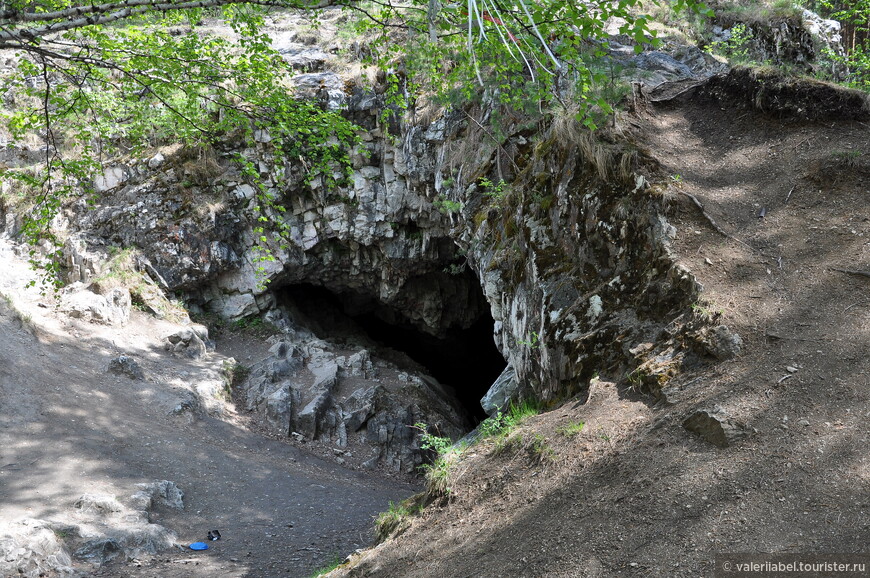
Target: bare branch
[[372, 17]]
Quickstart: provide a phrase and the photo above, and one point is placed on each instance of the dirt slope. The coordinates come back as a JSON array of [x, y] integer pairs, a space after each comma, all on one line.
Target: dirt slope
[[68, 427], [635, 494]]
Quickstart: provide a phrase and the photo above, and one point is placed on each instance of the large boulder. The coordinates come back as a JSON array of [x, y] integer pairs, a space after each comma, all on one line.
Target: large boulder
[[112, 308], [126, 365], [191, 341], [715, 426]]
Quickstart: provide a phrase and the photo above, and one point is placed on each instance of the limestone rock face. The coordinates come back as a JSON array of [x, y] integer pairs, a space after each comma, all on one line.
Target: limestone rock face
[[381, 235], [171, 207], [82, 263], [580, 275], [671, 62], [571, 252], [325, 87]]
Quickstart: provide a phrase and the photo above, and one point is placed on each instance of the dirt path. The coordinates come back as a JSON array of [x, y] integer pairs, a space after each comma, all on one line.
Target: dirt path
[[69, 427]]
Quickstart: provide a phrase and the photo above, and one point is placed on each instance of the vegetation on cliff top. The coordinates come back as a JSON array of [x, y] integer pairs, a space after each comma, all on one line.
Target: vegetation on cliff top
[[95, 81], [99, 80]]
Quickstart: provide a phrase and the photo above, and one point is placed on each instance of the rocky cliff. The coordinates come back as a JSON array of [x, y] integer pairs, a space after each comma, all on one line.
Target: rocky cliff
[[553, 235]]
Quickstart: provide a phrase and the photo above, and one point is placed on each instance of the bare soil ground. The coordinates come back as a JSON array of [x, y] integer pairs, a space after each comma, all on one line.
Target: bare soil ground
[[634, 493], [69, 427]]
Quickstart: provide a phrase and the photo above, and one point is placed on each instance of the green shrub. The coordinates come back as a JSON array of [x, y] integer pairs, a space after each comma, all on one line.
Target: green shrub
[[495, 192], [438, 472], [492, 426], [533, 342], [856, 60], [446, 206], [737, 47], [847, 159], [502, 424]]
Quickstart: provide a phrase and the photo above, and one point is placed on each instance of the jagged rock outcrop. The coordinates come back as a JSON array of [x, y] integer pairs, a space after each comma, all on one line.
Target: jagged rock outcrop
[[185, 243], [579, 271], [501, 392], [673, 61], [380, 236], [803, 39], [30, 548], [317, 391]]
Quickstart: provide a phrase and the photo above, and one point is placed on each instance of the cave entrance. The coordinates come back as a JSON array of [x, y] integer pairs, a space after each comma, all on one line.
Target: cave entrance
[[463, 357]]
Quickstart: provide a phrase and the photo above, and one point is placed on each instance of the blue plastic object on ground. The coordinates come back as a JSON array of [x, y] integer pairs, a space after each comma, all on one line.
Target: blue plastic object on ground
[[199, 546]]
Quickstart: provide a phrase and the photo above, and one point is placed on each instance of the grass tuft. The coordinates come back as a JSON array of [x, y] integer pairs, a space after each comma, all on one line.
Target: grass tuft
[[571, 430], [503, 423], [398, 518], [335, 562], [507, 445]]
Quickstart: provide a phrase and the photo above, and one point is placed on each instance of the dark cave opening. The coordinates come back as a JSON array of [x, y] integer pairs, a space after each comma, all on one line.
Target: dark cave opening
[[464, 358]]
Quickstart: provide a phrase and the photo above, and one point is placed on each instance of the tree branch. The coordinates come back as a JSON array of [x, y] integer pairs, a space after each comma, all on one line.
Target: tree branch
[[82, 16]]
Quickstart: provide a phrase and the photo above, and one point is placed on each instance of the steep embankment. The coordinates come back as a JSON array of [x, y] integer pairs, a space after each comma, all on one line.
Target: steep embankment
[[783, 254]]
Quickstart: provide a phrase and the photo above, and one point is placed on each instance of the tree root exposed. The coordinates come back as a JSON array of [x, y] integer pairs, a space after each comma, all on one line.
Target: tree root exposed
[[713, 222]]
